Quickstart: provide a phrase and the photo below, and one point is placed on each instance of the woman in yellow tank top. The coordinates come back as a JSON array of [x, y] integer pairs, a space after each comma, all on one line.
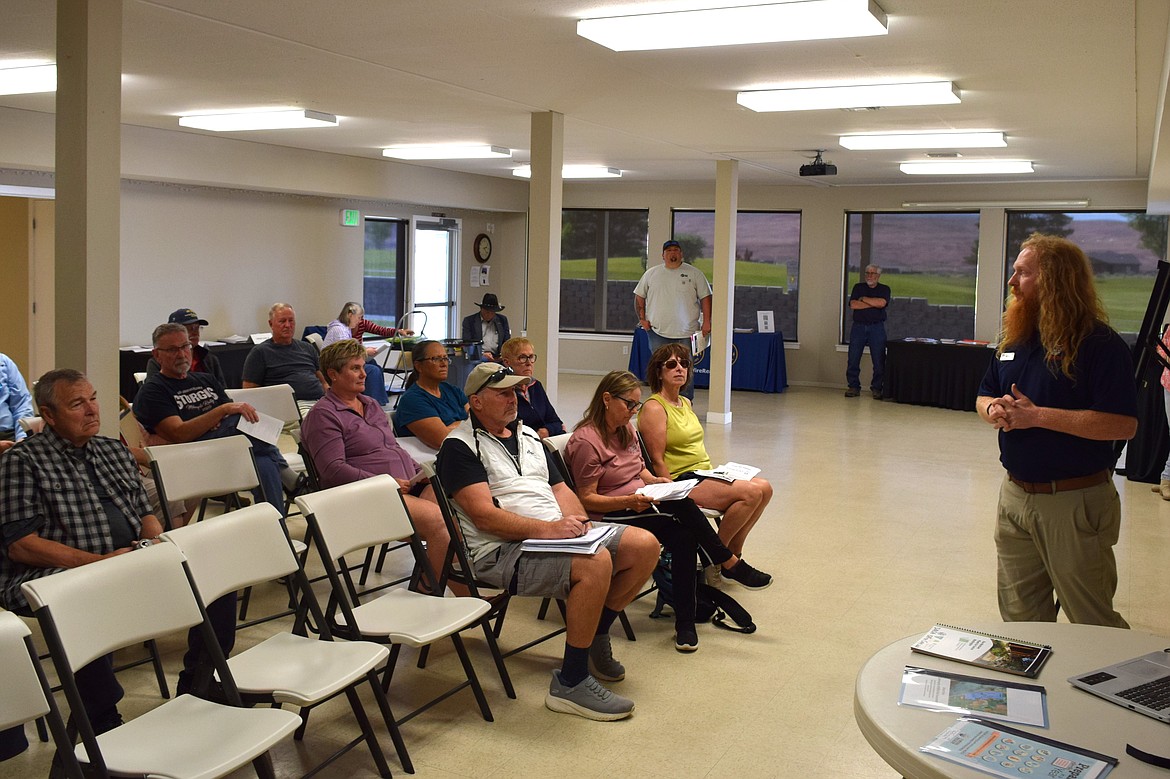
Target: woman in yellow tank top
[[674, 440]]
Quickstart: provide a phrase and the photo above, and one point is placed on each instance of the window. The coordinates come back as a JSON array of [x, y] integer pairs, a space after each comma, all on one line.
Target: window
[[385, 265], [1124, 248], [928, 261], [603, 254], [767, 262]]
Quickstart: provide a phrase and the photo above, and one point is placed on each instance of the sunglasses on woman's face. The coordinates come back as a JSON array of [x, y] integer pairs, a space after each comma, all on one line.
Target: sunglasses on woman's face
[[675, 362]]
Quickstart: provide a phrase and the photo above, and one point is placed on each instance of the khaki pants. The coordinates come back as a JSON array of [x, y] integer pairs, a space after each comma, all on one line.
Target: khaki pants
[[1060, 543]]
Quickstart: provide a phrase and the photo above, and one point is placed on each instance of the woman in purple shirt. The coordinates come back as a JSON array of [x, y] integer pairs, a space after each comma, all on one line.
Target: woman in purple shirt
[[349, 438]]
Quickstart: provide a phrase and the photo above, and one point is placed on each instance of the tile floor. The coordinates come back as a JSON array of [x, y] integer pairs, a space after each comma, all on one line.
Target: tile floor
[[881, 526]]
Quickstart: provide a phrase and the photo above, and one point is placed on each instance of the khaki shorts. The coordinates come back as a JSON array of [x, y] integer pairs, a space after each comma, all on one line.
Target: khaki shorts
[[542, 574]]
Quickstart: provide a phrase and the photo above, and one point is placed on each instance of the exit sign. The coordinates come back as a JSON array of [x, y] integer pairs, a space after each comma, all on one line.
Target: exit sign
[[350, 217]]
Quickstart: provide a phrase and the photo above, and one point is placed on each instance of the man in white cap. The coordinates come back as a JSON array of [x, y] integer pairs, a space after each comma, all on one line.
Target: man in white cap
[[506, 489]]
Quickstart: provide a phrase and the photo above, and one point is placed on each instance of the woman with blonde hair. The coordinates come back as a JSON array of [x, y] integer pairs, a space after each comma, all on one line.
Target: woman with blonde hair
[[674, 441], [606, 464]]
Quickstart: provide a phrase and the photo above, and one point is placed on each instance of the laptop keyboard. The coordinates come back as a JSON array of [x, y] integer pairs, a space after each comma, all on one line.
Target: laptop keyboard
[[1153, 695]]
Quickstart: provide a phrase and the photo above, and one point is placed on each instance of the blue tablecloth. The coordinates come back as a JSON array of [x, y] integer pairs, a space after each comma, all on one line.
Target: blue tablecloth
[[757, 361]]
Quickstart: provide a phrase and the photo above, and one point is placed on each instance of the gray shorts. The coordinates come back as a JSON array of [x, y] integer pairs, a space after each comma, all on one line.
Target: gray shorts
[[543, 574]]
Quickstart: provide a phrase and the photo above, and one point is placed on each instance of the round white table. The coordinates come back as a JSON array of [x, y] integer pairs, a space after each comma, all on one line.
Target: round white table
[[1075, 717]]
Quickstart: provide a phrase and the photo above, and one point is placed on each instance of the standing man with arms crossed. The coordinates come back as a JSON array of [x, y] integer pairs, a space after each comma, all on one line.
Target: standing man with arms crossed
[[668, 300], [868, 301], [1060, 391]]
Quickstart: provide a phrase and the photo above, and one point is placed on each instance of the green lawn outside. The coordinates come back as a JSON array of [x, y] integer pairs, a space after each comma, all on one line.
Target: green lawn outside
[[380, 262]]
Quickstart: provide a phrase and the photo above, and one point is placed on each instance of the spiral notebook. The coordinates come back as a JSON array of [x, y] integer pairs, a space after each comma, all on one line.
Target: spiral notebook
[[985, 650]]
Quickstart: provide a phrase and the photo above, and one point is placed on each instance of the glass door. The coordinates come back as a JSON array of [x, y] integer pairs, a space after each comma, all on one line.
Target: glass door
[[433, 269]]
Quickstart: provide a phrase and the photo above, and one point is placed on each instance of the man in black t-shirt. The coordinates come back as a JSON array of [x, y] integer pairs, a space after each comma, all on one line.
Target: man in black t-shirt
[[868, 302], [179, 407]]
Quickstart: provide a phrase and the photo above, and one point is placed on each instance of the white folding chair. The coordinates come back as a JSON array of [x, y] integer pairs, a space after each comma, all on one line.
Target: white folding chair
[[31, 425], [316, 339], [367, 514], [139, 377], [217, 467], [247, 547], [27, 695], [277, 401], [90, 611]]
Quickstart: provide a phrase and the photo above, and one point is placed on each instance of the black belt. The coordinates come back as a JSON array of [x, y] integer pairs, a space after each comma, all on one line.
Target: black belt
[[1062, 485]]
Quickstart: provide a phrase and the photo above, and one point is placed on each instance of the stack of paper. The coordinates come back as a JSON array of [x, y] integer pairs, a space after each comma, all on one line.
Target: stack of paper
[[586, 544], [730, 472], [672, 490]]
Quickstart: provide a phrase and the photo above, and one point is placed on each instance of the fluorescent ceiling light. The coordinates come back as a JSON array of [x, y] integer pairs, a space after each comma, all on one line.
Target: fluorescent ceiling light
[[34, 193], [802, 20], [28, 80], [575, 172], [259, 120], [849, 96], [940, 140], [1083, 203], [966, 167], [448, 152]]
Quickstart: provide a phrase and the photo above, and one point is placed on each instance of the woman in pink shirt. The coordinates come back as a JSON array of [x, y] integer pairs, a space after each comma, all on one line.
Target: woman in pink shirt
[[607, 467]]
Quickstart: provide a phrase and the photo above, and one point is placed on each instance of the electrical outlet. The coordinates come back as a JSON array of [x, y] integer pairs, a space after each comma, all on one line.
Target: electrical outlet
[[626, 349]]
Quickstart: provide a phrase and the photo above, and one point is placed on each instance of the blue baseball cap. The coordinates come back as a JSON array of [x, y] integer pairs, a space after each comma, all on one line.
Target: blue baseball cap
[[671, 243]]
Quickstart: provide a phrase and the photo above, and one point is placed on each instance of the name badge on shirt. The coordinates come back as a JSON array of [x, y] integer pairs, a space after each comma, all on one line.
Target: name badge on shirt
[[1007, 356]]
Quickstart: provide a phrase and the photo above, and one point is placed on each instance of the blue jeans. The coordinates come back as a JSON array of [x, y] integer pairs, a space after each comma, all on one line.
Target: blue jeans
[[875, 336], [376, 383], [657, 342]]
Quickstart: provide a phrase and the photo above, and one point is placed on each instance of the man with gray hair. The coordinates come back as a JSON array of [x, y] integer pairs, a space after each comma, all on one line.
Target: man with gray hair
[[868, 301], [285, 360], [180, 406], [70, 497]]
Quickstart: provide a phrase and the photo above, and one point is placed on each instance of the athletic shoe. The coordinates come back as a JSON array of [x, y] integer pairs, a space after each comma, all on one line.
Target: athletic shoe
[[747, 576], [685, 638], [588, 699], [601, 662]]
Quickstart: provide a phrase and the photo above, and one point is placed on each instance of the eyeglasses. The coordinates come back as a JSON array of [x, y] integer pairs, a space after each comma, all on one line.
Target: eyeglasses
[[495, 378], [176, 349], [631, 405], [525, 358], [444, 360], [675, 362]]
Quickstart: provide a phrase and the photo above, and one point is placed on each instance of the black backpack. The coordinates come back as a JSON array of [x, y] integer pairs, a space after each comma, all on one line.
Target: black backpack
[[711, 604]]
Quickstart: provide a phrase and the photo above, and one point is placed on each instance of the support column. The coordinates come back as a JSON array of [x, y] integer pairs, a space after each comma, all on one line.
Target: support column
[[544, 244], [722, 306], [989, 283], [88, 181]]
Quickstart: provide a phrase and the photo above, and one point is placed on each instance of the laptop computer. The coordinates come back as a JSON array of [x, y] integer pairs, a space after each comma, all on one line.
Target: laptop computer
[[1140, 683]]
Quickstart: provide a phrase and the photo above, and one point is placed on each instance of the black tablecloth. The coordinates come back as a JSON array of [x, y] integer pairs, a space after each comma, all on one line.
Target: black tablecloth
[[231, 358], [944, 375], [757, 361]]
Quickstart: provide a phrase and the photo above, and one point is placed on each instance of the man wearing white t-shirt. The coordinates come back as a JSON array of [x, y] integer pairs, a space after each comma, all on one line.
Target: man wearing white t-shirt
[[669, 299]]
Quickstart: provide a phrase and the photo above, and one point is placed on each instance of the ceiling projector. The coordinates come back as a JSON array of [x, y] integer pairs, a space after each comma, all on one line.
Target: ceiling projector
[[818, 167]]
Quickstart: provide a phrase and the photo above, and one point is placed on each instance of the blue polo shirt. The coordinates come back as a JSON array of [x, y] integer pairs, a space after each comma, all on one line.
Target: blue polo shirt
[[1102, 381]]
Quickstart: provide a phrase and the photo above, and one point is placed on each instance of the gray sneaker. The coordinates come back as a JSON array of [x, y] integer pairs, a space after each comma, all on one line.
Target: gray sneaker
[[601, 662], [588, 699]]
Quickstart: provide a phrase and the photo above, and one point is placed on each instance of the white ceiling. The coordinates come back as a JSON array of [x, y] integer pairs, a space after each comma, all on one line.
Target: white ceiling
[[1075, 84]]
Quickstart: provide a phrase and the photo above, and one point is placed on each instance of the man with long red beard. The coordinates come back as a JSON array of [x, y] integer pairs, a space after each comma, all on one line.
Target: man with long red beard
[[1060, 392]]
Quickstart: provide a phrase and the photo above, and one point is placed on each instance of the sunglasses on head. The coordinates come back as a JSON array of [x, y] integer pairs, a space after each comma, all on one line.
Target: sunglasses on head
[[495, 378], [675, 362]]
